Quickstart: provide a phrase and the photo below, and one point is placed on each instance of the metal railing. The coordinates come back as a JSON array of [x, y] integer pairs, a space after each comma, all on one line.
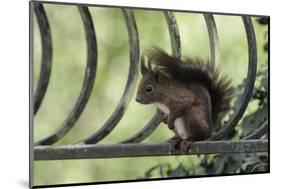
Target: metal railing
[[130, 146]]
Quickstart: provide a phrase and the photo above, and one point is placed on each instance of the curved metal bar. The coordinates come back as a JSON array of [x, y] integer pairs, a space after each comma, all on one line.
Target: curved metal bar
[[259, 132], [46, 60], [145, 132], [249, 85], [112, 122], [174, 33], [176, 50], [88, 83], [213, 39]]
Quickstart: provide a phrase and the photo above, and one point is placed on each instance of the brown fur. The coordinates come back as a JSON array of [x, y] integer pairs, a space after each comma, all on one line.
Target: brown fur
[[190, 89], [195, 70]]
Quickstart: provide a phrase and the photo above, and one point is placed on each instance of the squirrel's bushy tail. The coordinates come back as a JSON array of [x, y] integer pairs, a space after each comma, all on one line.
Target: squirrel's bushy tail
[[195, 70]]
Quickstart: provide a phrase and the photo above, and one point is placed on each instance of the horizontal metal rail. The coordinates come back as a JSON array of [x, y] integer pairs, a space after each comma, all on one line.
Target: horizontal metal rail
[[141, 150]]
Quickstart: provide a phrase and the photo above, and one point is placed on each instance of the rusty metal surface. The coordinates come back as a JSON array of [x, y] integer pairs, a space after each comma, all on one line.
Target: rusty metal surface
[[142, 150]]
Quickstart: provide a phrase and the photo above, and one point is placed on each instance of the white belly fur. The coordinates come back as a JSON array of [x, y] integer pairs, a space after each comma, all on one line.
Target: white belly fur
[[179, 124], [179, 127]]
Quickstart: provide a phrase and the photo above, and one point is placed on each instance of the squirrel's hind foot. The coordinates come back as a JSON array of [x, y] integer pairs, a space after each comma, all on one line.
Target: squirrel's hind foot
[[184, 145], [174, 144]]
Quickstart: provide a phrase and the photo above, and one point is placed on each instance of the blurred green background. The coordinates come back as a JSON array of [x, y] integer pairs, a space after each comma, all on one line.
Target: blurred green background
[[69, 61]]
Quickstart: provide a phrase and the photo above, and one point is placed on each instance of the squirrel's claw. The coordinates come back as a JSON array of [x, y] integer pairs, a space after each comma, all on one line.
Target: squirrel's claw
[[162, 116], [184, 145], [174, 144]]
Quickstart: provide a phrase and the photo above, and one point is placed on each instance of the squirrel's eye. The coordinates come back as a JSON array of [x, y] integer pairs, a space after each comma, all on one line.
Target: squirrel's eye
[[148, 89]]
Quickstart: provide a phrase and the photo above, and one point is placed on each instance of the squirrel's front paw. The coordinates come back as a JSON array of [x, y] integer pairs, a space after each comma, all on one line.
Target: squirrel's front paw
[[163, 117], [171, 126]]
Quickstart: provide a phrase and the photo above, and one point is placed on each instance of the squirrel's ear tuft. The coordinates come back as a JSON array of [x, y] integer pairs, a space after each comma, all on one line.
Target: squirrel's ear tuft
[[143, 67]]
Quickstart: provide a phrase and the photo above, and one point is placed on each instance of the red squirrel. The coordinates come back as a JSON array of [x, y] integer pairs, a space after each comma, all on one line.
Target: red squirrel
[[188, 94]]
